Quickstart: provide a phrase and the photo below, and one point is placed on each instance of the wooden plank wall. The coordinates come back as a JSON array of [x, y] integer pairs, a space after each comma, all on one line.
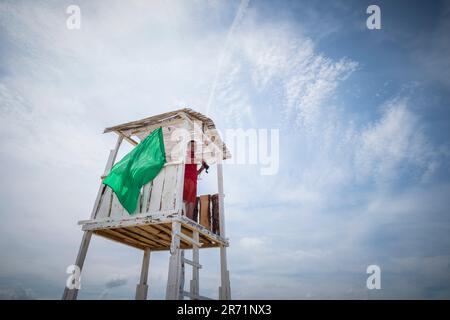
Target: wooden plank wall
[[158, 195], [161, 193], [174, 149]]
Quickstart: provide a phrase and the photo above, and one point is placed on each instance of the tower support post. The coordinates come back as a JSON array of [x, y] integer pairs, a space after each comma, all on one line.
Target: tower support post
[[71, 294], [182, 274], [194, 285], [174, 276], [142, 286], [224, 290]]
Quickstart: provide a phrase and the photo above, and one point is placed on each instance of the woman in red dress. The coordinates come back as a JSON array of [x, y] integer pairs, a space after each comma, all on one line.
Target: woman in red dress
[[190, 180]]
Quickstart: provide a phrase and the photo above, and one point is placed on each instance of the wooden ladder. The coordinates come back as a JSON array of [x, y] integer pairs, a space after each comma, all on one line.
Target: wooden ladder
[[177, 262], [193, 292]]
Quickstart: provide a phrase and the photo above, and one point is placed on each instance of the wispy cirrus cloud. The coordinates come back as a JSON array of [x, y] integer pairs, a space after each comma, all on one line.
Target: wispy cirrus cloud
[[275, 58], [395, 143]]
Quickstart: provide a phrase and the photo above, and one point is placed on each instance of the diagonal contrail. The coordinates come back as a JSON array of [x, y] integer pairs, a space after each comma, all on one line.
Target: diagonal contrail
[[237, 19]]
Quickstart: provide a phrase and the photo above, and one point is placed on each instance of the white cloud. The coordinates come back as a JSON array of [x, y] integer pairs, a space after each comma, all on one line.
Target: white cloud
[[274, 57], [393, 144], [252, 242]]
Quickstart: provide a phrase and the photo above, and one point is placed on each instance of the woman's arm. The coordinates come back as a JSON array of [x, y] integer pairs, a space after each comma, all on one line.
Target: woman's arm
[[204, 166]]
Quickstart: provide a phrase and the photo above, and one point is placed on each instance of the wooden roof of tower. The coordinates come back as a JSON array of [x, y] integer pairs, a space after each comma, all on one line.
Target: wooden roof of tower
[[127, 129]]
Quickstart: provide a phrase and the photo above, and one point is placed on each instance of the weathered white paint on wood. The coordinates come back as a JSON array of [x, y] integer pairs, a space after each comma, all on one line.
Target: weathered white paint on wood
[[147, 191], [173, 142], [225, 293], [162, 194], [192, 263], [156, 218], [179, 189], [142, 287], [116, 208], [71, 294], [195, 286], [158, 185], [221, 200], [105, 204], [182, 274], [143, 132], [179, 205], [169, 189], [172, 139], [130, 140], [188, 239], [173, 279], [109, 164]]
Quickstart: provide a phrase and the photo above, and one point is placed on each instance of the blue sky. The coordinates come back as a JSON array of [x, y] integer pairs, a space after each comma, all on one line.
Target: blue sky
[[364, 125]]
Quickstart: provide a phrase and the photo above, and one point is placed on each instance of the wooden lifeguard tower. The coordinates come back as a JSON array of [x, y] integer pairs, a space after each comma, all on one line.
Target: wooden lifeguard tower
[[160, 222]]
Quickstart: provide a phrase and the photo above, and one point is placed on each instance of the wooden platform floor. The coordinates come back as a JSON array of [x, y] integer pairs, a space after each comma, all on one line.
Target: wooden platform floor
[[156, 236]]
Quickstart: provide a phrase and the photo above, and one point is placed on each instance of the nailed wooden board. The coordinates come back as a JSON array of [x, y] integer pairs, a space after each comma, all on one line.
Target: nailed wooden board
[[162, 241], [161, 194], [112, 235], [117, 211], [172, 139], [150, 123], [169, 189], [158, 185], [156, 237], [104, 206], [147, 192], [205, 212]]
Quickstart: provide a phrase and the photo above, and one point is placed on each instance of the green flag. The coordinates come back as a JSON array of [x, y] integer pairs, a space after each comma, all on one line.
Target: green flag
[[137, 168]]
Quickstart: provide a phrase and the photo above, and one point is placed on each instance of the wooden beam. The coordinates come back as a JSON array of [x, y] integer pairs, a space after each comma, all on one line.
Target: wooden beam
[[120, 133], [195, 282], [151, 127], [173, 279], [142, 286], [117, 236], [71, 294], [157, 232], [179, 199], [136, 237], [150, 236], [145, 122], [225, 293], [182, 275], [187, 239], [221, 199], [152, 217], [168, 231], [127, 222], [192, 263], [194, 226], [109, 165]]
